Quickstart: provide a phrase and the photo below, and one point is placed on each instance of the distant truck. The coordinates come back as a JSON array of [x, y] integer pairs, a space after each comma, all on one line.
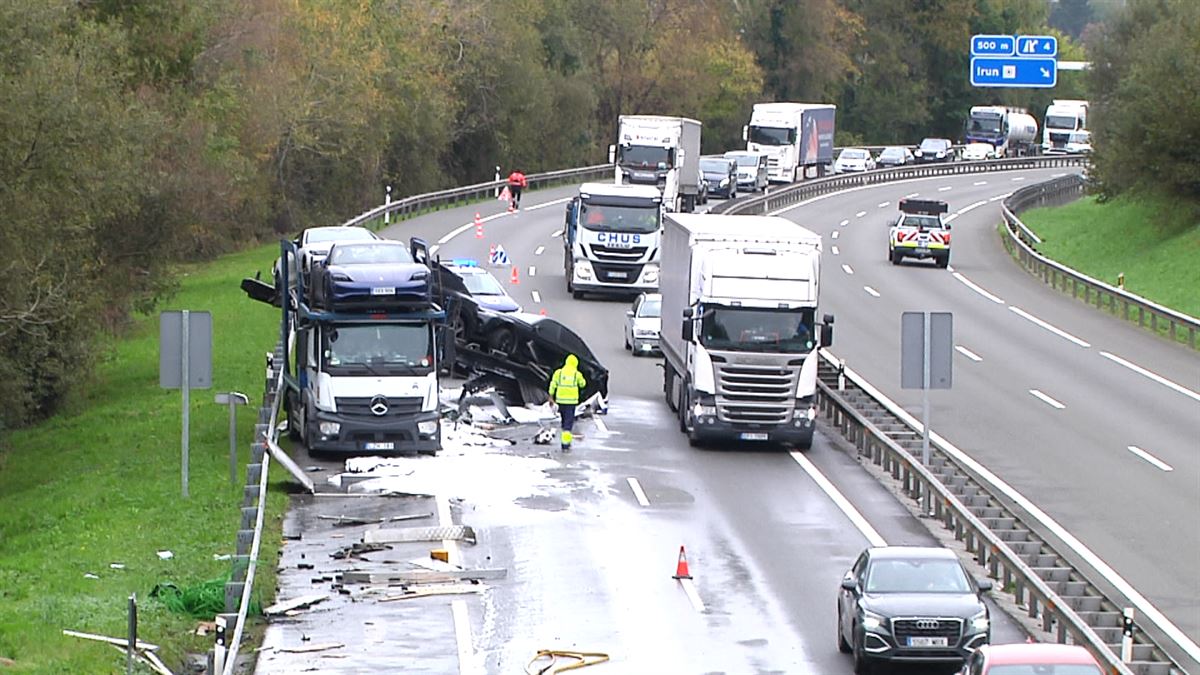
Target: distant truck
[[1065, 129], [794, 137], [611, 239], [1011, 131], [659, 151], [739, 328]]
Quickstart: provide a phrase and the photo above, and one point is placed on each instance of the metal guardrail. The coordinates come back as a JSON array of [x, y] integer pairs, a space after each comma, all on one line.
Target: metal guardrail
[[866, 431], [409, 206], [1021, 242]]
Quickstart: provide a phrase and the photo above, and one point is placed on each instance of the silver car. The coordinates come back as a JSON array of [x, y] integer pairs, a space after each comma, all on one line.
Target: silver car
[[643, 321]]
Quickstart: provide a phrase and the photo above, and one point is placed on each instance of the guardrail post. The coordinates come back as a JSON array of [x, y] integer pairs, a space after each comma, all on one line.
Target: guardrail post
[[241, 565], [245, 540], [257, 450], [1127, 635], [249, 517], [250, 495], [233, 595], [254, 473]]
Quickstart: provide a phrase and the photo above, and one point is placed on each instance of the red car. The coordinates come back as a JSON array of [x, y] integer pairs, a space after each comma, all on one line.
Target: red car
[[1042, 658]]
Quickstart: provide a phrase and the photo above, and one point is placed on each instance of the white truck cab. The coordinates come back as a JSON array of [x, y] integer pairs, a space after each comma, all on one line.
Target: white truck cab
[[611, 239]]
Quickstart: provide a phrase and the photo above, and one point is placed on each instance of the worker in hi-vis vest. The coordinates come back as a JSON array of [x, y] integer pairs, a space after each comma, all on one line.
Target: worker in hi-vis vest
[[565, 386]]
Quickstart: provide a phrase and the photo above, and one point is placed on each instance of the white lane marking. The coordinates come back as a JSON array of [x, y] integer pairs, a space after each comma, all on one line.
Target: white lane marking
[[1046, 399], [538, 250], [463, 228], [972, 285], [965, 209], [434, 249], [872, 536], [556, 234], [945, 188], [446, 520], [835, 234], [543, 205], [871, 291], [835, 250], [950, 218], [997, 198], [912, 194], [532, 271], [689, 589], [462, 636], [537, 297], [1153, 376], [1102, 568], [884, 205], [950, 269], [1150, 458], [600, 423], [979, 182], [638, 492], [968, 353], [847, 269], [860, 214], [1057, 175], [1018, 178], [844, 223], [1057, 331]]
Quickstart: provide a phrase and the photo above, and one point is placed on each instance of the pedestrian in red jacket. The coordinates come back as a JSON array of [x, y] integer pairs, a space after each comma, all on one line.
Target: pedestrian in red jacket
[[516, 183]]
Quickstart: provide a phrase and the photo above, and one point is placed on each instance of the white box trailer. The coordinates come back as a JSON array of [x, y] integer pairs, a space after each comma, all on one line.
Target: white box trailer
[[793, 136], [739, 327]]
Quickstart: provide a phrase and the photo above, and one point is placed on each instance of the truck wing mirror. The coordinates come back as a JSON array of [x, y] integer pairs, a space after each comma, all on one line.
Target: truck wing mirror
[[612, 154], [688, 313], [827, 331], [688, 332], [745, 133]]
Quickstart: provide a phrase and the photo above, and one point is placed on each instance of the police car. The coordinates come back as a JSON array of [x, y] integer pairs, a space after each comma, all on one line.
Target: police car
[[483, 288], [920, 232]]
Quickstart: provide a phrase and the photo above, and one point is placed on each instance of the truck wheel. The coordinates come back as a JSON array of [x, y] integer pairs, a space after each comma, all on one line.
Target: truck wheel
[[302, 422], [293, 429], [684, 404], [669, 385]]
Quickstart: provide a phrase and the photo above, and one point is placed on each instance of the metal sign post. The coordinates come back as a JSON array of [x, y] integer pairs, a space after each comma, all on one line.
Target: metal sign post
[[233, 399], [185, 388], [131, 645], [926, 360], [185, 363]]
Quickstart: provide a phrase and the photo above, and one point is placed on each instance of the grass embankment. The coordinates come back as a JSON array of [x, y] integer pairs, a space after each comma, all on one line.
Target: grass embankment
[[1154, 245], [101, 485]]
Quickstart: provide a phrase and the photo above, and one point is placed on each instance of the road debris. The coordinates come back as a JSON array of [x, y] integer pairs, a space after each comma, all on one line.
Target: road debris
[[410, 534], [320, 647], [353, 520], [120, 642], [357, 549], [427, 591], [298, 603], [165, 555], [411, 577]]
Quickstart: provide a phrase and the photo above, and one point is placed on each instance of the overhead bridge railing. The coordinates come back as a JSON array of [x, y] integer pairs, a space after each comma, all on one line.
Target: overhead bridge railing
[[1022, 243]]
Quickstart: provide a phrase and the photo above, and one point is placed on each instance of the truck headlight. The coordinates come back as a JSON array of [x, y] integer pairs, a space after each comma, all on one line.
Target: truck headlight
[[650, 274], [428, 427], [583, 270], [699, 410], [329, 428]]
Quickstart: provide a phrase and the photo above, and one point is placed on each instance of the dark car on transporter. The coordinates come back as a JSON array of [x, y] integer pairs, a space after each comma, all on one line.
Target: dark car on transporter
[[911, 604]]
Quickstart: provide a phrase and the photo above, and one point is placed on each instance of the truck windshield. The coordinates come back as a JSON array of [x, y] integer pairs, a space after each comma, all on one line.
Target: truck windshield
[[1060, 122], [772, 136], [985, 125], [605, 218], [757, 330], [381, 349], [645, 156]]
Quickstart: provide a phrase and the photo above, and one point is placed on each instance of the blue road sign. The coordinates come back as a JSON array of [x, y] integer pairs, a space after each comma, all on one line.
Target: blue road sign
[[1013, 72], [993, 45], [1036, 46]]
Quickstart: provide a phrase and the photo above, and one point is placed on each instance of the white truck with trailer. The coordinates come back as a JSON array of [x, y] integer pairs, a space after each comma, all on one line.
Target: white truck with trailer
[[739, 330], [611, 239], [1012, 132], [794, 137], [1065, 129], [659, 151]]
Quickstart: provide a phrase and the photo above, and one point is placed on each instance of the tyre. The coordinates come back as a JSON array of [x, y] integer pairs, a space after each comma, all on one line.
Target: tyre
[[625, 337], [302, 422], [668, 386], [293, 427], [502, 340], [896, 256], [944, 261], [684, 403], [843, 646], [578, 295]]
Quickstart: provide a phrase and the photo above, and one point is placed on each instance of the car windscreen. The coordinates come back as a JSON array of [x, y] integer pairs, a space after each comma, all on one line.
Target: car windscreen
[[746, 160], [368, 254], [916, 576], [989, 125], [921, 221], [772, 136], [482, 284], [934, 144], [338, 234], [608, 218], [1059, 122], [891, 153], [714, 166], [1044, 669], [853, 154], [650, 309], [378, 348], [757, 330], [645, 156]]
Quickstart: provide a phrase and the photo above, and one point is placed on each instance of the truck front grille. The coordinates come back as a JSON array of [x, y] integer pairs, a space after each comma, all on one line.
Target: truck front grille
[[756, 394], [617, 274], [614, 254], [397, 406]]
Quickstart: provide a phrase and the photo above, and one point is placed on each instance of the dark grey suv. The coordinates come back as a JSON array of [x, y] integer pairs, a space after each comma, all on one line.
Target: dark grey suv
[[910, 604]]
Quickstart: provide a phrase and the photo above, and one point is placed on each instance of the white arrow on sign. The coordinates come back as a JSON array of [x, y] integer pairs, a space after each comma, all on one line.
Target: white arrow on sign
[[1045, 73]]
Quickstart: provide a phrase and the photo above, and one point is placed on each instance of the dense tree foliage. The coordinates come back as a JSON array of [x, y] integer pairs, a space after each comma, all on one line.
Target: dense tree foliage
[[136, 134]]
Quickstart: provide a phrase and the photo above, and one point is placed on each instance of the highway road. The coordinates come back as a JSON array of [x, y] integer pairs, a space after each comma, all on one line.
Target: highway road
[[590, 557]]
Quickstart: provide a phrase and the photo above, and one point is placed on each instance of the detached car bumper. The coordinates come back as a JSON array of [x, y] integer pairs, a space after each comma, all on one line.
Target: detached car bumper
[[361, 435]]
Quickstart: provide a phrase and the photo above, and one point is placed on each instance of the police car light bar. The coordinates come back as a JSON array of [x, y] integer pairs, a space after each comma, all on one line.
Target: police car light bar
[[931, 207], [464, 262]]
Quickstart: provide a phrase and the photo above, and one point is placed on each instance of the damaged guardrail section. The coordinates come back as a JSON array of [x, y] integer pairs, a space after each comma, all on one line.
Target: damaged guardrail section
[[231, 625], [1021, 242]]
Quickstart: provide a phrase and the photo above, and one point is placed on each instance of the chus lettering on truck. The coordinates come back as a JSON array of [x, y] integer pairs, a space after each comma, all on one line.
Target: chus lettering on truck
[[618, 238]]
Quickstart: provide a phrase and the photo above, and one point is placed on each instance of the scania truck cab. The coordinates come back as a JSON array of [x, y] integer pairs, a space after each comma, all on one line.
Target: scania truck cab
[[611, 239]]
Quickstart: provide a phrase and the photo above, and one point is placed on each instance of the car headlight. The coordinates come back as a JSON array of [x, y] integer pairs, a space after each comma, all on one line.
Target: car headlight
[[980, 622], [339, 276], [873, 621], [329, 428], [919, 153], [941, 153], [428, 427]]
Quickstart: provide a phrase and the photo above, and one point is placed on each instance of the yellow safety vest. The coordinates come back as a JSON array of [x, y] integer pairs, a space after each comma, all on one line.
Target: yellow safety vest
[[564, 387]]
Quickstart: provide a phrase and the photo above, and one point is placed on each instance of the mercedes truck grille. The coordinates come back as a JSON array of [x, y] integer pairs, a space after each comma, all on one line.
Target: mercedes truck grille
[[615, 254], [756, 394], [617, 274], [379, 406]]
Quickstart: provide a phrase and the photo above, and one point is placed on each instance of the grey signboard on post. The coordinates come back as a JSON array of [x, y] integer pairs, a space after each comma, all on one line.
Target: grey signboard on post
[[912, 350], [170, 350]]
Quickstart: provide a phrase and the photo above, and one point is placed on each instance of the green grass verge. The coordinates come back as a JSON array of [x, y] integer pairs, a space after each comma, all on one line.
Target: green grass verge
[[101, 485], [1147, 240]]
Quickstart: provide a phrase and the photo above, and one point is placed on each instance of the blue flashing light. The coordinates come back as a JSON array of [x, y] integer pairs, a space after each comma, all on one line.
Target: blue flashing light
[[464, 262]]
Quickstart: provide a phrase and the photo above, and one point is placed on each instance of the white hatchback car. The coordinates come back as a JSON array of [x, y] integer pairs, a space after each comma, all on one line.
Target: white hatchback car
[[853, 159], [643, 324], [975, 152]]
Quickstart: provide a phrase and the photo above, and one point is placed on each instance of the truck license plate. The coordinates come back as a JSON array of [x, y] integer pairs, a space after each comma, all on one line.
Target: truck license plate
[[382, 445], [753, 436], [619, 275], [383, 290], [927, 642]]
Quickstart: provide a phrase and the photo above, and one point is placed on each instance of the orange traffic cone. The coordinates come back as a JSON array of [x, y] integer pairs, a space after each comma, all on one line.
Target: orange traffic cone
[[515, 278], [543, 312], [478, 226], [681, 568], [492, 253]]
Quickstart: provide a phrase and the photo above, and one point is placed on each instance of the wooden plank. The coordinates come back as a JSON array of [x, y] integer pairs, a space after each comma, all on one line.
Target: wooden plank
[[319, 647], [120, 642], [423, 576], [297, 603]]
